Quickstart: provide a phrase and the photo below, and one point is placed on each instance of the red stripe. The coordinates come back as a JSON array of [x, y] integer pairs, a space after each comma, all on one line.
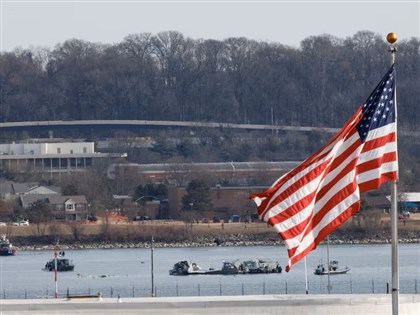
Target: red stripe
[[332, 202], [292, 210], [317, 217], [304, 165], [376, 163], [296, 229], [378, 142], [262, 209], [377, 182], [304, 202], [317, 156], [290, 191], [327, 187], [328, 229]]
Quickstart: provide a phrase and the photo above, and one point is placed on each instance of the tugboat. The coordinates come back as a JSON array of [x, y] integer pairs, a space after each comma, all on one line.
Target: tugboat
[[6, 248], [63, 264]]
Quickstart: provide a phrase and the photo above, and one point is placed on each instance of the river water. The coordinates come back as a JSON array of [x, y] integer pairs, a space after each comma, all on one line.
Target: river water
[[128, 272]]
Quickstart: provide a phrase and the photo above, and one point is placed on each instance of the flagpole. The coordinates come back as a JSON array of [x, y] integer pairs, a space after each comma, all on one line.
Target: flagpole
[[328, 265], [392, 38], [306, 278]]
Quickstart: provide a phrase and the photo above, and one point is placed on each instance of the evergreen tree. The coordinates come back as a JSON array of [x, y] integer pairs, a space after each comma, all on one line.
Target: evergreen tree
[[197, 197]]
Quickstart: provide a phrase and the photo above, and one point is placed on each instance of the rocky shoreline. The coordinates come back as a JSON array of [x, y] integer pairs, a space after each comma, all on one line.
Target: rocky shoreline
[[226, 240]]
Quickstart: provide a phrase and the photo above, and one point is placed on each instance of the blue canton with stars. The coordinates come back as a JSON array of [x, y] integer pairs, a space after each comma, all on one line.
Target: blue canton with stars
[[379, 109]]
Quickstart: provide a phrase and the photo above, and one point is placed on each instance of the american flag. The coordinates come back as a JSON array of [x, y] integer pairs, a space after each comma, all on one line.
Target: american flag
[[312, 200]]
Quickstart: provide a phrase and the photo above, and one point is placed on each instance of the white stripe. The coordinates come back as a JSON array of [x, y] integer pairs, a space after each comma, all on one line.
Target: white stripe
[[301, 193], [312, 208], [335, 148], [333, 173], [343, 182], [347, 202], [296, 219], [291, 181], [327, 219], [380, 132], [377, 153], [376, 173], [309, 188]]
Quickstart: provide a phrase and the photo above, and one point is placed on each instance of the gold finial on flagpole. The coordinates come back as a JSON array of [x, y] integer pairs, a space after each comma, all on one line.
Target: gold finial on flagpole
[[391, 38]]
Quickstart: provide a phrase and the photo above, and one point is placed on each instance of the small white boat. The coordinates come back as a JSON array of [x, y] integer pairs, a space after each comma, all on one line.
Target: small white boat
[[332, 269]]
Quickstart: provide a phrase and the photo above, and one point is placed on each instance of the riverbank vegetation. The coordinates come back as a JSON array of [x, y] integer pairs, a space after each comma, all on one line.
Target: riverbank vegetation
[[177, 233]]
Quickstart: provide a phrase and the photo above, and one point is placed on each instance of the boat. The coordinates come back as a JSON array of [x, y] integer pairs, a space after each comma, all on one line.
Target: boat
[[183, 268], [257, 266], [6, 248], [332, 269], [228, 268], [63, 264]]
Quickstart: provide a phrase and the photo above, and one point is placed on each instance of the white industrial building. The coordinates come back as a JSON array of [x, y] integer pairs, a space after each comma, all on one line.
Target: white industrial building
[[47, 148], [49, 157]]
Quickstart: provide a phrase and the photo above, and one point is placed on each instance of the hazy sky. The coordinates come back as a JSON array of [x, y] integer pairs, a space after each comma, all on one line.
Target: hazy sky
[[34, 23]]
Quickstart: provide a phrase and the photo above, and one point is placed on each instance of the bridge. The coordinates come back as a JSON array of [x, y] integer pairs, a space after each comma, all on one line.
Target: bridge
[[143, 124], [51, 125]]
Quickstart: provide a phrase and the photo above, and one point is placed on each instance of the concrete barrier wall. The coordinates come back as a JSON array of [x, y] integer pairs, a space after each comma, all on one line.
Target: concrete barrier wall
[[220, 305]]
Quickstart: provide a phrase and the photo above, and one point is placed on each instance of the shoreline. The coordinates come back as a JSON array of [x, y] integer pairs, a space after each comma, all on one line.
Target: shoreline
[[201, 243]]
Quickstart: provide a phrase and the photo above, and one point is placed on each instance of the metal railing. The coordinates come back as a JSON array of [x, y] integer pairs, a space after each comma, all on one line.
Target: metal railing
[[223, 289]]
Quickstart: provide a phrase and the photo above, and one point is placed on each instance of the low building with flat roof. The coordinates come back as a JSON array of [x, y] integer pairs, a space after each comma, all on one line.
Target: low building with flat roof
[[50, 157]]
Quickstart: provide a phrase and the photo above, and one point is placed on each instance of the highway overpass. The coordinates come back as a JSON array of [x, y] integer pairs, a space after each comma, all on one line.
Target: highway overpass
[[145, 124]]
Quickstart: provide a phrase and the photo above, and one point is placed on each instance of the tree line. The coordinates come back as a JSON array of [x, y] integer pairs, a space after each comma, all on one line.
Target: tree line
[[167, 76], [170, 77]]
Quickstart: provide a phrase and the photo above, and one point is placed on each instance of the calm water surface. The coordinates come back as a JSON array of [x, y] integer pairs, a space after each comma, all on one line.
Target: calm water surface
[[128, 272]]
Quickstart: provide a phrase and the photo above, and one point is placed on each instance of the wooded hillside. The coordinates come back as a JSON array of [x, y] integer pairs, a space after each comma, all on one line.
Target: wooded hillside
[[170, 77]]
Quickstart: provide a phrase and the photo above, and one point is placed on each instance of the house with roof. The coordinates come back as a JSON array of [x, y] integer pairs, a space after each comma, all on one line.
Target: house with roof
[[69, 208], [44, 190], [10, 190], [64, 208]]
